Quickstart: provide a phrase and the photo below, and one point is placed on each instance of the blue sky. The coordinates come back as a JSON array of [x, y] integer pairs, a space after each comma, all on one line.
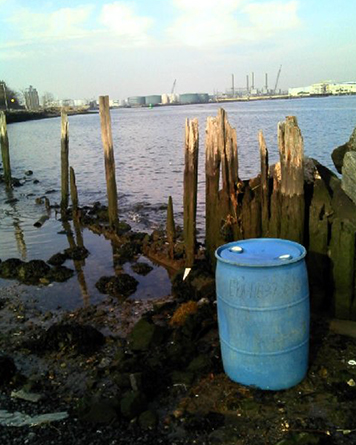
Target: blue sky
[[85, 48]]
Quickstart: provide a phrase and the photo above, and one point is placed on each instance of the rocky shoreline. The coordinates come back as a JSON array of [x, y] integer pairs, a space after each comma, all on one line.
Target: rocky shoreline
[[125, 371]]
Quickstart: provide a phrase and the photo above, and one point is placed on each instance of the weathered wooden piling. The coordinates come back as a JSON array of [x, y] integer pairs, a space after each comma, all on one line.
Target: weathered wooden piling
[[64, 161], [291, 152], [222, 218], [106, 135], [190, 188], [5, 152], [170, 227], [73, 192], [264, 185]]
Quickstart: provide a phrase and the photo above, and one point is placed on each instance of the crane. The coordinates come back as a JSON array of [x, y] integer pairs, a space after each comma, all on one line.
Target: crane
[[276, 84], [174, 85]]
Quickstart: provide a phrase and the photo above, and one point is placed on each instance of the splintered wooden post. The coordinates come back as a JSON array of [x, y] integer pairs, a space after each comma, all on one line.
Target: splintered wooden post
[[73, 192], [106, 136], [291, 151], [5, 153], [190, 188], [64, 161], [265, 213], [171, 228], [221, 205]]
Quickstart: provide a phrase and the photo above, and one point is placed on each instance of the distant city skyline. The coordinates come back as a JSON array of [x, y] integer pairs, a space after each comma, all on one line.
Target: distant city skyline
[[85, 48]]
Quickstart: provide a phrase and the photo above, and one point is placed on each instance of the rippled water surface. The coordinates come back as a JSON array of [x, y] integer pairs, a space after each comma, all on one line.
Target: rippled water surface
[[149, 156]]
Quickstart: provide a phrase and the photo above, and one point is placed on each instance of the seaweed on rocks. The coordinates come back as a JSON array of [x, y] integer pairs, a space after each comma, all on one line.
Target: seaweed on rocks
[[120, 286], [9, 267]]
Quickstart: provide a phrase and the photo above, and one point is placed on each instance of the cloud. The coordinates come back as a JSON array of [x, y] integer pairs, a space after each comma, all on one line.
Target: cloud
[[64, 23], [213, 23], [273, 16], [120, 18]]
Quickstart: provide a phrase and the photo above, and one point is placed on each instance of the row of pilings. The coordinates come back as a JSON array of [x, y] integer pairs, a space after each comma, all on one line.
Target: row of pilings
[[296, 199]]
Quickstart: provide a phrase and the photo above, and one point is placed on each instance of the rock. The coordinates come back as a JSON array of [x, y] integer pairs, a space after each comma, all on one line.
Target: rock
[[125, 253], [102, 283], [98, 411], [7, 369], [132, 404], [33, 271], [199, 364], [9, 268], [142, 268], [57, 259], [199, 283], [76, 253], [122, 380], [182, 378], [348, 182], [122, 285], [123, 228], [339, 153], [28, 172], [82, 338], [148, 420], [11, 201], [60, 274], [144, 335]]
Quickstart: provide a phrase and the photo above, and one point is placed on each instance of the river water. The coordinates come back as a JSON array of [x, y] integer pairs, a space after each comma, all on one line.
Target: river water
[[149, 156]]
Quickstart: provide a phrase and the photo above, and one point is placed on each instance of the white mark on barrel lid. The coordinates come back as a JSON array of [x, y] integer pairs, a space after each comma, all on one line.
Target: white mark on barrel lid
[[287, 256], [236, 249]]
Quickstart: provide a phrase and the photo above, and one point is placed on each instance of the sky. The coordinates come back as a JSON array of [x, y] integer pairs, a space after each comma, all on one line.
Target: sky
[[85, 48]]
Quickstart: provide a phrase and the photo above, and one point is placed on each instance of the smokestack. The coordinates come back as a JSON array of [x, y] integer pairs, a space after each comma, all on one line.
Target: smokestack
[[247, 84], [253, 81], [266, 81]]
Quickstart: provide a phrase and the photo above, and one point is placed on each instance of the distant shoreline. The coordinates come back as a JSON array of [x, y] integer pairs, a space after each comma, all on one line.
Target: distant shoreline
[[14, 116]]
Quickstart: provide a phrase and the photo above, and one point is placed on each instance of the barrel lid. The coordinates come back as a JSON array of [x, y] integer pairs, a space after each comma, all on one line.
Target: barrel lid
[[261, 252]]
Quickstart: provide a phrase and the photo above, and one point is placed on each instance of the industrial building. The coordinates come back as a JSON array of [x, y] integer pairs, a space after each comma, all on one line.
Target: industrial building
[[32, 100], [323, 89]]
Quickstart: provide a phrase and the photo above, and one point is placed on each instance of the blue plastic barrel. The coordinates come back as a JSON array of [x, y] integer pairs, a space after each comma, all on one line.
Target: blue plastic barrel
[[263, 312]]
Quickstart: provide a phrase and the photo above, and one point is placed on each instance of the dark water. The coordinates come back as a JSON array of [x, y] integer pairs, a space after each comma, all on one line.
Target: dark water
[[149, 157]]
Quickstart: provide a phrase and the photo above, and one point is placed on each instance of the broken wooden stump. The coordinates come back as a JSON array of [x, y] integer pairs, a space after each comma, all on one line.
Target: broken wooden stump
[[106, 135], [190, 189], [170, 227], [73, 193]]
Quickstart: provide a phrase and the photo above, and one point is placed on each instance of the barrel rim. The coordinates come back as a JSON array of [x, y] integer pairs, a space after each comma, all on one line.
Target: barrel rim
[[261, 265]]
